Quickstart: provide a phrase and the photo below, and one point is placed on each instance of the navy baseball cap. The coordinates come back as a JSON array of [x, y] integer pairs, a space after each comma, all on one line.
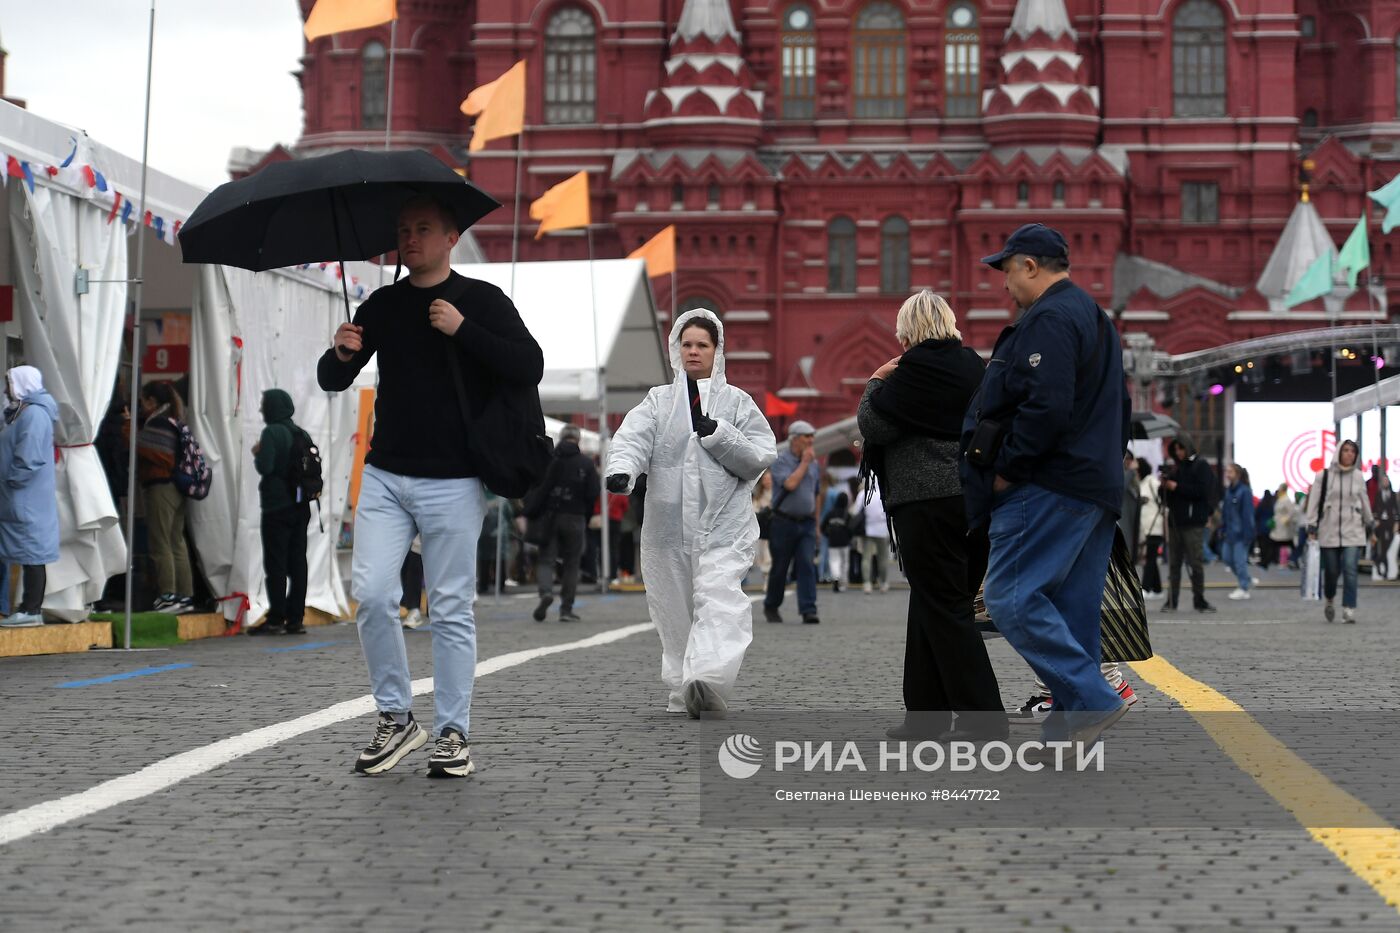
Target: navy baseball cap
[[1030, 240]]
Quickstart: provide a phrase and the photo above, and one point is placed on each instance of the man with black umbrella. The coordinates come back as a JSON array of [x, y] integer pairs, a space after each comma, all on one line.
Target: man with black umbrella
[[419, 475]]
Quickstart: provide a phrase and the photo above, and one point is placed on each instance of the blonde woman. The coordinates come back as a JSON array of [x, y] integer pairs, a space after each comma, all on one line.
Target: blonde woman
[[911, 418]]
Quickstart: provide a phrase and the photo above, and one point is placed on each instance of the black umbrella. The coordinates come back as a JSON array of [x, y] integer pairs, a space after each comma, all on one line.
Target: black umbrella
[[1149, 424], [333, 207]]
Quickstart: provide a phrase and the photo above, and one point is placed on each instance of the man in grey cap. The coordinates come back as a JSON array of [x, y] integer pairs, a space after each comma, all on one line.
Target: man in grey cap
[[1043, 442], [794, 530]]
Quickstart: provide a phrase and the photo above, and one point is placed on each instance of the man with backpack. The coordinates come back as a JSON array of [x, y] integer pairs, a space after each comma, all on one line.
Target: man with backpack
[[284, 456], [440, 340], [566, 500]]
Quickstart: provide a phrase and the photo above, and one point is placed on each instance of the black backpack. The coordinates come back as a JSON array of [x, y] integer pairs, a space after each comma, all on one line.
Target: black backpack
[[304, 471]]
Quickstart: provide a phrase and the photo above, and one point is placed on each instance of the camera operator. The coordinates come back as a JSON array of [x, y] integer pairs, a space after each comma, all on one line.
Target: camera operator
[[1187, 486]]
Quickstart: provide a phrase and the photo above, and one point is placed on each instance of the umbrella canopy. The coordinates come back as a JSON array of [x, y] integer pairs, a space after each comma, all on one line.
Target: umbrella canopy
[[1149, 424], [334, 207]]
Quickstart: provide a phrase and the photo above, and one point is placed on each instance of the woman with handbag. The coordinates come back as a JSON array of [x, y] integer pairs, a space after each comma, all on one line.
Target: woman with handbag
[[1340, 521], [911, 418], [702, 444]]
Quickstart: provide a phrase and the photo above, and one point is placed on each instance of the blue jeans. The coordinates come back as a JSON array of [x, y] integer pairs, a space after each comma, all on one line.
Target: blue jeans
[[1347, 557], [448, 514], [788, 541], [1045, 579], [1236, 557]]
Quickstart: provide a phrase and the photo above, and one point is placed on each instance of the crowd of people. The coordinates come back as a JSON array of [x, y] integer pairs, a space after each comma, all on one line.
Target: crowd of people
[[1210, 515], [1007, 479]]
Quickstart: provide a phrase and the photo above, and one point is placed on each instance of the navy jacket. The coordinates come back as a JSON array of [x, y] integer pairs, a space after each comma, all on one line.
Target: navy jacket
[[1055, 380]]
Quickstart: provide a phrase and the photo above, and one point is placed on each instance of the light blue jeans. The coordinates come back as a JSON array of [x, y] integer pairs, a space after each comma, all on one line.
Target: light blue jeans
[[1045, 579], [1236, 557], [448, 514]]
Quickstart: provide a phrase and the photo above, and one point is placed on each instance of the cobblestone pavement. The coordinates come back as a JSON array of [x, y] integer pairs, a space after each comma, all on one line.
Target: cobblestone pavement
[[584, 813]]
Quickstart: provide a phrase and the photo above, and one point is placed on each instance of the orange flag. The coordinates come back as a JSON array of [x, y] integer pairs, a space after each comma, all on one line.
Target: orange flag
[[659, 253], [775, 407], [563, 207], [499, 107], [331, 16]]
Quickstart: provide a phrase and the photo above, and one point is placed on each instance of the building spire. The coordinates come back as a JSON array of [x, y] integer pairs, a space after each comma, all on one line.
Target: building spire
[[1047, 16], [709, 18]]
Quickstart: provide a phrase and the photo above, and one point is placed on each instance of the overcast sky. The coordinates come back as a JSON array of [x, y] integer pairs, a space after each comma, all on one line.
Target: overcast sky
[[222, 75]]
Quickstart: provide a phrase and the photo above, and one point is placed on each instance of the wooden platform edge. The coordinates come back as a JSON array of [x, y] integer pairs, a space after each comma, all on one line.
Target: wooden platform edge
[[59, 638]]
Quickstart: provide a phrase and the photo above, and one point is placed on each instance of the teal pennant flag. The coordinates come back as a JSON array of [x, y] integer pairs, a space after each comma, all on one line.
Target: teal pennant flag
[[1315, 283], [1356, 252], [1388, 197]]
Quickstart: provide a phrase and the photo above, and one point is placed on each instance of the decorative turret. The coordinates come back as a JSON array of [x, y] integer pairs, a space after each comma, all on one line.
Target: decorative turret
[[1044, 96], [707, 94], [1304, 238]]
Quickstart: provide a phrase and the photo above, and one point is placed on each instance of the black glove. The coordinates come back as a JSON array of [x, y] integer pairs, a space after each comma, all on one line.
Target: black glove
[[705, 426], [617, 482]]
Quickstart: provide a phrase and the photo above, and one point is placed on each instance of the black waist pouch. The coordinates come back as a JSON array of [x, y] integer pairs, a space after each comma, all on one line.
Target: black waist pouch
[[985, 444]]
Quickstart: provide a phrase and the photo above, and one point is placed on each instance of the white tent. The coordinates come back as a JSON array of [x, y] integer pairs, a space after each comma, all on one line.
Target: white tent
[[554, 301], [250, 332]]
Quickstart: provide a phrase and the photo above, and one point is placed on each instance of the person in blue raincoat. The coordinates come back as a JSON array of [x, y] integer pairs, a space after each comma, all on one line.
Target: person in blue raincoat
[[28, 503]]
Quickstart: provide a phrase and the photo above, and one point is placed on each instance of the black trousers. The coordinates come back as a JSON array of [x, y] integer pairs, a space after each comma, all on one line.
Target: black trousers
[[284, 563], [946, 667], [34, 578], [1184, 545], [1151, 572], [566, 545]]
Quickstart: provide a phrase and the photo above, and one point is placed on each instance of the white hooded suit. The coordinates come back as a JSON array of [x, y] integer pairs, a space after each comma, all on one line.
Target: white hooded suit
[[699, 530]]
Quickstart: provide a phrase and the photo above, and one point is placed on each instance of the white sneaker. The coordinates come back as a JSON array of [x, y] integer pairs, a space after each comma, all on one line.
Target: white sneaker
[[1157, 595], [414, 619], [22, 620], [1348, 615], [867, 589], [884, 587], [1238, 593], [1253, 581]]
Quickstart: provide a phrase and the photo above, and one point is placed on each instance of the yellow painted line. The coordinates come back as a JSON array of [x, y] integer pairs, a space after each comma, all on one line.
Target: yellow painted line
[[1367, 844]]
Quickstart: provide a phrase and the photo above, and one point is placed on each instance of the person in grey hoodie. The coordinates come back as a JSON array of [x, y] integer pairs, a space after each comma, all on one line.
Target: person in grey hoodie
[[1340, 521], [28, 502]]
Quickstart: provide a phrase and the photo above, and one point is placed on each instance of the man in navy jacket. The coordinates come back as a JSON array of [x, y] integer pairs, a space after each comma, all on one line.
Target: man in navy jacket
[[1045, 472]]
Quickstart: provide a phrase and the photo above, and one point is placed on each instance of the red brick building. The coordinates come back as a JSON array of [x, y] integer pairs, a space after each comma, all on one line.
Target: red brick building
[[820, 158]]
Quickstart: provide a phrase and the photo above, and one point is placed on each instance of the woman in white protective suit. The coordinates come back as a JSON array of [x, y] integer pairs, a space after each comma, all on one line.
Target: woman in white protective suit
[[702, 444]]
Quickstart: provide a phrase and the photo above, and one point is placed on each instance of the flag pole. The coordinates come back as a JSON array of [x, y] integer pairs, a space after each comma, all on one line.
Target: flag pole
[[136, 339], [389, 104], [604, 557], [514, 257]]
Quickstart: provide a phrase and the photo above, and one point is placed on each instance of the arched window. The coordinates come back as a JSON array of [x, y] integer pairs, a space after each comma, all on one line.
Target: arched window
[[894, 255], [962, 62], [677, 196], [1057, 194], [878, 62], [799, 49], [695, 302], [570, 65], [1198, 60], [374, 88], [841, 255], [1310, 115]]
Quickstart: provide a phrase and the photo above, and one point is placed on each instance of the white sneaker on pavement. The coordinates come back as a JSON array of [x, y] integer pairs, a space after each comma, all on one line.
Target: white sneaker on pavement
[[1238, 593]]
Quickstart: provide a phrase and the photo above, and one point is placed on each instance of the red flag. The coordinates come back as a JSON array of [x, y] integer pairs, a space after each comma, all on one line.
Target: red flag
[[116, 206], [89, 176], [775, 407], [12, 168], [147, 219]]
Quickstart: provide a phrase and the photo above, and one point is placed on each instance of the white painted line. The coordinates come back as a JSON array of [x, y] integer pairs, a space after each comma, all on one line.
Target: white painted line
[[1153, 622], [167, 772]]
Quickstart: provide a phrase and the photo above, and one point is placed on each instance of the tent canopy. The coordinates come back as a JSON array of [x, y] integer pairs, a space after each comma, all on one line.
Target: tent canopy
[[553, 299]]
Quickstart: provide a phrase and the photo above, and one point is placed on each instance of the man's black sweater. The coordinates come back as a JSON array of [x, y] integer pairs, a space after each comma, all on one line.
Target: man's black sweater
[[418, 425]]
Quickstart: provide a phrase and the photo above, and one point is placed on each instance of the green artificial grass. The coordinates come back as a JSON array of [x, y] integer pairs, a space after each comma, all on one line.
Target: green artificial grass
[[148, 629]]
